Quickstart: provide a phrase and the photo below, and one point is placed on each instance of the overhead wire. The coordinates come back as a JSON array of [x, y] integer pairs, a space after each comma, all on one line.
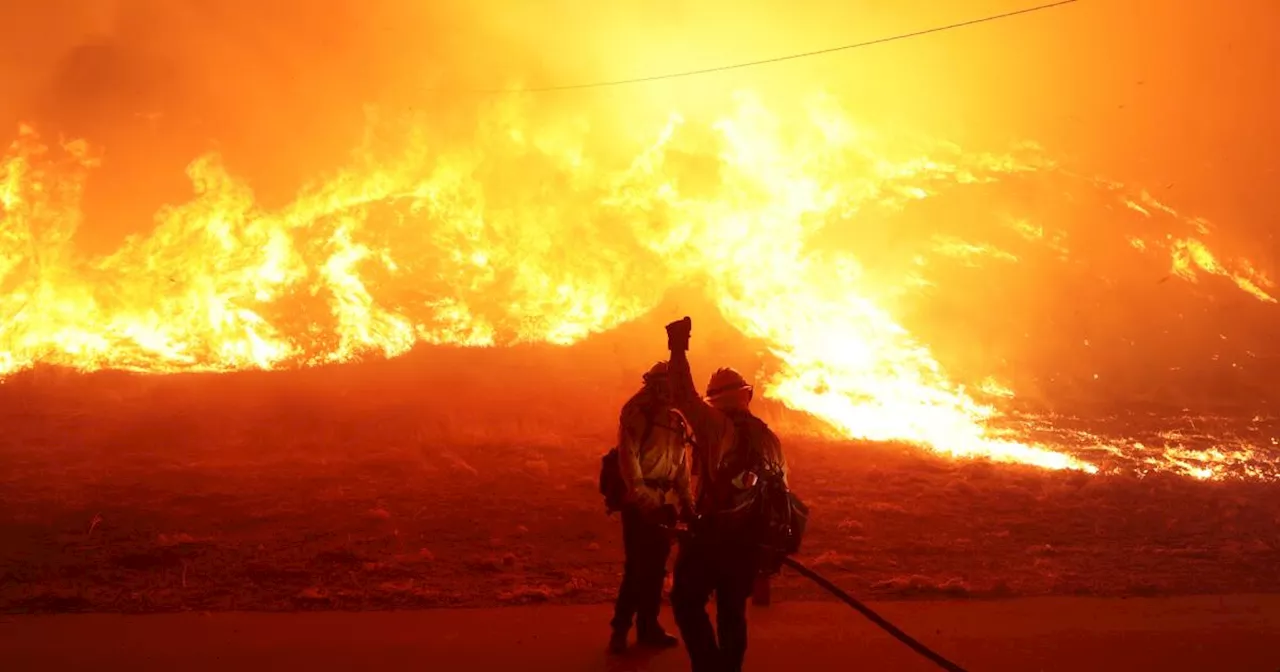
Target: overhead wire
[[765, 61]]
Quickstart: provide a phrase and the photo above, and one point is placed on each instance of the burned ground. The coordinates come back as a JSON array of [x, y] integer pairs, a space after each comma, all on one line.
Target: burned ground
[[312, 490]]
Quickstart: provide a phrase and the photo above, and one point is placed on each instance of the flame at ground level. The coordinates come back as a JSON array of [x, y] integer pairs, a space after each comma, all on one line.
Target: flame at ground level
[[529, 235]]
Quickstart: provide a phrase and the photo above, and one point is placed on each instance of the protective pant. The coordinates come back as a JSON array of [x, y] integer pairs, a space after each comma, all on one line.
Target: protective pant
[[646, 546], [705, 565]]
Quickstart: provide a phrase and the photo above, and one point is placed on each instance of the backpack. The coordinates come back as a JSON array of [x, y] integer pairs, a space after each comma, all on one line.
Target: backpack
[[612, 487], [768, 514]]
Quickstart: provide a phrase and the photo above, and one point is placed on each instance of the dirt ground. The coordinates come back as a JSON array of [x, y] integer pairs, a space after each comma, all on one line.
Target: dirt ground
[[359, 491]]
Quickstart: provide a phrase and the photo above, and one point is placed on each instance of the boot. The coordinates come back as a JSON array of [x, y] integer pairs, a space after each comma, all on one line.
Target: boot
[[618, 642], [656, 638]]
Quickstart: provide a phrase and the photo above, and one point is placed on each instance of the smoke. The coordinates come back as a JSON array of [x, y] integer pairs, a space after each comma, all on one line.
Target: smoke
[[281, 89], [281, 86]]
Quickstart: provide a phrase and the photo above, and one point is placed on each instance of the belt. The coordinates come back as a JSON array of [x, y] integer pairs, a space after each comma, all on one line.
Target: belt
[[659, 483]]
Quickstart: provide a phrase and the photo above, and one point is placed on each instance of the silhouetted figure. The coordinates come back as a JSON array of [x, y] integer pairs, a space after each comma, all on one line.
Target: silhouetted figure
[[722, 553], [655, 481]]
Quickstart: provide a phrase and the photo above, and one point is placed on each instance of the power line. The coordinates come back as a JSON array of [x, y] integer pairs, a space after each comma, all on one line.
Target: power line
[[766, 61]]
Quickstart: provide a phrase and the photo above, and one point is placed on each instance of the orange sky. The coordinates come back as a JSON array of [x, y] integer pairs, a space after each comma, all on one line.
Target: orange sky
[[1154, 92]]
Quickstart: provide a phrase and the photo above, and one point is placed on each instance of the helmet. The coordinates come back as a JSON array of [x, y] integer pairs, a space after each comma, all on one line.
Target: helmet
[[725, 380], [656, 373]]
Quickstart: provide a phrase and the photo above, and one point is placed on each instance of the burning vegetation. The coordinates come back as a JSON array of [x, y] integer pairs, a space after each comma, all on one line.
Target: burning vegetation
[[528, 235]]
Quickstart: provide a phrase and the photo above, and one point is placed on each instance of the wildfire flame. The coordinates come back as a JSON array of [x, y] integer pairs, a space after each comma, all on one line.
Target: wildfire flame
[[526, 236]]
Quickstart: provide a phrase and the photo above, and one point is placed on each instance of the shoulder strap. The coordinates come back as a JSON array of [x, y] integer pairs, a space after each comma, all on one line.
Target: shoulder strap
[[651, 421], [679, 426]]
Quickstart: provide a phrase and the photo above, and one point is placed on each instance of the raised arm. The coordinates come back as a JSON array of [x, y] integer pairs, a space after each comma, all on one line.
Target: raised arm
[[696, 410], [708, 423]]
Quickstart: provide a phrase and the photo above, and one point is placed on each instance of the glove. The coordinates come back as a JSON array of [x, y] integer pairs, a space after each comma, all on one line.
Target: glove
[[678, 335], [687, 514], [645, 499], [666, 515]]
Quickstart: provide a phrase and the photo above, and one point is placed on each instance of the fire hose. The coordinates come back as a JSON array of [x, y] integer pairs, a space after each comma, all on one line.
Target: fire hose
[[682, 531], [872, 616]]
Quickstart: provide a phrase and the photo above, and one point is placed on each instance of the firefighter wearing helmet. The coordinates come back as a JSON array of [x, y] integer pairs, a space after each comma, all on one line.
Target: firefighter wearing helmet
[[654, 487], [719, 555]]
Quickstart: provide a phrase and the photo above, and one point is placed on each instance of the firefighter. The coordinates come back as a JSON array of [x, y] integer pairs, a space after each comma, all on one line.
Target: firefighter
[[720, 554], [655, 488]]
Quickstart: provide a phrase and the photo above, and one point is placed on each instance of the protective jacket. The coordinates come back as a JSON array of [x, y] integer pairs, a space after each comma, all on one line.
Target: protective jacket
[[657, 472], [721, 438]]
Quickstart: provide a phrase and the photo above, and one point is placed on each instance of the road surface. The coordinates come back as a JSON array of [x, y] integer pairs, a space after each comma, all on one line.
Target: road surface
[[1229, 633]]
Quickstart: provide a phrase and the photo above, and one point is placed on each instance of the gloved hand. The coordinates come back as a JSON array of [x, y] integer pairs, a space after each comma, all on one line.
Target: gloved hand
[[646, 499], [666, 515], [687, 514], [678, 333]]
